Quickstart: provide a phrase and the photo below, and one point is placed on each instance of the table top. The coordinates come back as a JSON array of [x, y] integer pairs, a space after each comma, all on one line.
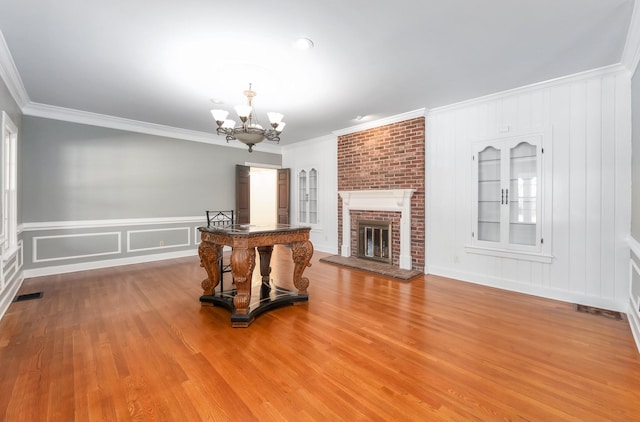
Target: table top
[[249, 229]]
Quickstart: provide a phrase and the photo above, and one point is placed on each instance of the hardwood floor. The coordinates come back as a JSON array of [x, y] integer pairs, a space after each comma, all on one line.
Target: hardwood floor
[[133, 343]]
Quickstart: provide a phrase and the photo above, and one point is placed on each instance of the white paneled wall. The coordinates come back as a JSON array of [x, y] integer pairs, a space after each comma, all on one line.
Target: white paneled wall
[[587, 187], [634, 290]]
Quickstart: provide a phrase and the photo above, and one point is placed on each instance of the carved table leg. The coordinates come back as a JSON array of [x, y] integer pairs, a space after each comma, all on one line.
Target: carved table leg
[[243, 260], [301, 253], [265, 270], [210, 256]]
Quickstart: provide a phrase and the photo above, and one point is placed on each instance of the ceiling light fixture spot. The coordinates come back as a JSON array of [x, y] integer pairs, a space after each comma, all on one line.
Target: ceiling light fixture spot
[[303, 44]]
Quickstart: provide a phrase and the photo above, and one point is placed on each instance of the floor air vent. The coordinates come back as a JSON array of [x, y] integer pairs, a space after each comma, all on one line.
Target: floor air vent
[[601, 312], [28, 296]]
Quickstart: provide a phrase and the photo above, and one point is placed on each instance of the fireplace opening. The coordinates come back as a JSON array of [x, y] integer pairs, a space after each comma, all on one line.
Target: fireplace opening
[[374, 240]]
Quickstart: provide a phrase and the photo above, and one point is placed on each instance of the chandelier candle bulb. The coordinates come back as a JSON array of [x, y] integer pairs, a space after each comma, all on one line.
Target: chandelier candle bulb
[[244, 112], [249, 132], [275, 118], [219, 115]]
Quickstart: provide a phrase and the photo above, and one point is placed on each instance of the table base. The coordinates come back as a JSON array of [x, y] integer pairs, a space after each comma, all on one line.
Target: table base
[[271, 297]]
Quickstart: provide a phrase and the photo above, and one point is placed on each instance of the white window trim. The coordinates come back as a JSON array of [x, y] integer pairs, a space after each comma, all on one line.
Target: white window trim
[[9, 206]]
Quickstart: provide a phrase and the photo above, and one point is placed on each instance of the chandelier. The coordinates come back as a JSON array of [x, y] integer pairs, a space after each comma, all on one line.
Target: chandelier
[[249, 132]]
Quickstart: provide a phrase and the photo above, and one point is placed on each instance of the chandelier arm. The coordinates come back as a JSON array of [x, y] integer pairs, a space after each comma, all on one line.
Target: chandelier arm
[[272, 136]]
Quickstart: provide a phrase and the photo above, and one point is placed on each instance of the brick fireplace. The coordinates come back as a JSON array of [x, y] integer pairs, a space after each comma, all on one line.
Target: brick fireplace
[[381, 177]]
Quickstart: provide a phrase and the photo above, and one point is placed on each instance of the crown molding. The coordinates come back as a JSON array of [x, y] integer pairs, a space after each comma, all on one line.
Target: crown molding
[[13, 81], [10, 76], [119, 222], [576, 77], [112, 122], [421, 112], [631, 53], [309, 142]]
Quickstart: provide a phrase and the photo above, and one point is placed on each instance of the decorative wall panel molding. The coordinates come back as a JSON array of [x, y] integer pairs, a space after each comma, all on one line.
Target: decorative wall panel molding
[[57, 247], [155, 239]]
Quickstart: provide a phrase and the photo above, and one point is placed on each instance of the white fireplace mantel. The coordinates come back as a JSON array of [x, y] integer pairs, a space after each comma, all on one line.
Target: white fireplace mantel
[[395, 200]]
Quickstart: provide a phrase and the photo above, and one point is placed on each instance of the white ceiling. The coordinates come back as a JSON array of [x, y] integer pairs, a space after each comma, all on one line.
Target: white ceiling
[[163, 61]]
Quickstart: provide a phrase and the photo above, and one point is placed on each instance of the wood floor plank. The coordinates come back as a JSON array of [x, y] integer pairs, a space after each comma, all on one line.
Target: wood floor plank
[[134, 343]]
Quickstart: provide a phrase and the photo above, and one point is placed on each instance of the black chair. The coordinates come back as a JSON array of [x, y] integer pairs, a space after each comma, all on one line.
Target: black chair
[[221, 219]]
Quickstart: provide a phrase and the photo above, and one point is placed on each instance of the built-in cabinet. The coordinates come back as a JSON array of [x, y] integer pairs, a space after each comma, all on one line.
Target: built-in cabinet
[[582, 199], [507, 193], [308, 196]]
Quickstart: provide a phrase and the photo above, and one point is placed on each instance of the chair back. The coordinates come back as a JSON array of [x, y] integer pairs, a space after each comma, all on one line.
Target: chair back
[[220, 218]]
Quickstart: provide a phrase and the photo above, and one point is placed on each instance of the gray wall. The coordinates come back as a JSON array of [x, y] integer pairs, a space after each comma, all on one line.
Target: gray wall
[[95, 194], [80, 172], [635, 156]]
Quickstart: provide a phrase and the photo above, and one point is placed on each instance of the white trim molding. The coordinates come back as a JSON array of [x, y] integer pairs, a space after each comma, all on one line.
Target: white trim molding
[[633, 313], [394, 200], [11, 277], [94, 265], [631, 52], [581, 76], [112, 122], [129, 238], [10, 76], [162, 245], [116, 250], [83, 224]]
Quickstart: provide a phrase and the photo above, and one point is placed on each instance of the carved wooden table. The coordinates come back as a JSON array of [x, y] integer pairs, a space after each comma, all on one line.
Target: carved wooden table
[[244, 240]]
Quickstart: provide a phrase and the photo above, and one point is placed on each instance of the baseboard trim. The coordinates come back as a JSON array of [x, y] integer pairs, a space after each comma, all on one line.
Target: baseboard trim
[[94, 265], [560, 295]]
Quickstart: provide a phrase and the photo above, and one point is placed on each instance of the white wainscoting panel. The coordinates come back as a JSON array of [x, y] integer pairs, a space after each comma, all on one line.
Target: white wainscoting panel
[[66, 246], [11, 277], [155, 239], [586, 187], [80, 242]]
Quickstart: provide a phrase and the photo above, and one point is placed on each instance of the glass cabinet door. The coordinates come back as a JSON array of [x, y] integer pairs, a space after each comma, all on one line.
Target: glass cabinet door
[[523, 194], [489, 194], [308, 208], [506, 201], [302, 197], [313, 196]]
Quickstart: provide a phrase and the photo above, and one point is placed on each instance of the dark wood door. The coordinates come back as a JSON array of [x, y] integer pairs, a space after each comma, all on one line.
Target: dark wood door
[[243, 194], [283, 196]]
